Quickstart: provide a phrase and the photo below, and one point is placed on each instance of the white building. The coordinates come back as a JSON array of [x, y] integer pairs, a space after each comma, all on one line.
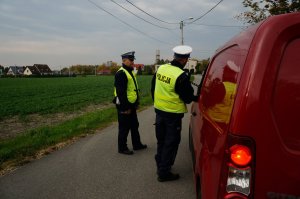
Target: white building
[[38, 69], [15, 70], [191, 65]]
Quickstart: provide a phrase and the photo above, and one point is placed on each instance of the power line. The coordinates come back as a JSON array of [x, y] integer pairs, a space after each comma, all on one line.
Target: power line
[[140, 17], [151, 15], [206, 12], [127, 23], [224, 26], [144, 19]]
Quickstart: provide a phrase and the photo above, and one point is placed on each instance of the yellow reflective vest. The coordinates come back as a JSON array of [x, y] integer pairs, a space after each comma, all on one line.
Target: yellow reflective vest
[[165, 97], [132, 89], [221, 112]]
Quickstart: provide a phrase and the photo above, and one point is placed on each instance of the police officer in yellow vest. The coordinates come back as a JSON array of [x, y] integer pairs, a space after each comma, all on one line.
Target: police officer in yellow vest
[[171, 91], [126, 94]]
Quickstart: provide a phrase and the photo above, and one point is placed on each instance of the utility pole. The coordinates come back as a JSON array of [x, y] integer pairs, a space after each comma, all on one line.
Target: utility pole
[[181, 27]]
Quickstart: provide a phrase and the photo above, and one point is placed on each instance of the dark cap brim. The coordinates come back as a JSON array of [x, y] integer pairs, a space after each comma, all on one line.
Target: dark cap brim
[[128, 57], [182, 56]]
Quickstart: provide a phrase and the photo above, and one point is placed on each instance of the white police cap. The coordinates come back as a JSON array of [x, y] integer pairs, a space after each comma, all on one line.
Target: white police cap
[[182, 51], [233, 66]]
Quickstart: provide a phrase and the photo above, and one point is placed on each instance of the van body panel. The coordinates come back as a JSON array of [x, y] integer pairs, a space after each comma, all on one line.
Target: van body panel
[[286, 91], [267, 112], [211, 139], [265, 109]]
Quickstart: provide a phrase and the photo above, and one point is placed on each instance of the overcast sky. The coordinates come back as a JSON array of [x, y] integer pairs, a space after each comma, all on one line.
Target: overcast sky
[[61, 33]]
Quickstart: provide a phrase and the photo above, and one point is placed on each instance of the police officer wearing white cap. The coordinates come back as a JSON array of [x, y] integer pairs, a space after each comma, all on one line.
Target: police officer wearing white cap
[[171, 90], [126, 94]]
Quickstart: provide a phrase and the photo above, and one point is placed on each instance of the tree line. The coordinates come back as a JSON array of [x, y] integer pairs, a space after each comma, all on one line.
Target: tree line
[[104, 69], [111, 69]]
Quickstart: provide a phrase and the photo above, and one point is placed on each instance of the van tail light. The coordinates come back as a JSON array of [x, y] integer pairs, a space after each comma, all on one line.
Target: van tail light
[[238, 168], [240, 155], [238, 180]]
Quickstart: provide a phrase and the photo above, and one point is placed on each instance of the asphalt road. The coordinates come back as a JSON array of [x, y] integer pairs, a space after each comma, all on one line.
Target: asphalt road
[[92, 168]]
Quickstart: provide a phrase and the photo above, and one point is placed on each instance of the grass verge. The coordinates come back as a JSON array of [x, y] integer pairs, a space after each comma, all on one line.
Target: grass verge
[[23, 148]]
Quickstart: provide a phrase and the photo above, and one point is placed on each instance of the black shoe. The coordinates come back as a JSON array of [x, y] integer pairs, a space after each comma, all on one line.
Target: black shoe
[[168, 177], [126, 152], [142, 146]]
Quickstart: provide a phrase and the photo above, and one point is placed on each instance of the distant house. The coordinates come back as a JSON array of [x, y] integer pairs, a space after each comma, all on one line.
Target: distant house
[[139, 66], [38, 69], [56, 72], [15, 70], [109, 63], [31, 70], [43, 69], [1, 70], [104, 72]]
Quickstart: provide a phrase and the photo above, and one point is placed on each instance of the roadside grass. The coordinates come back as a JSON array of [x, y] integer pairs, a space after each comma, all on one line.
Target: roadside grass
[[25, 147]]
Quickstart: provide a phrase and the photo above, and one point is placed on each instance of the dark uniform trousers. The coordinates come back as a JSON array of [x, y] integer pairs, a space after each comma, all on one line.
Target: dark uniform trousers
[[168, 134], [128, 122]]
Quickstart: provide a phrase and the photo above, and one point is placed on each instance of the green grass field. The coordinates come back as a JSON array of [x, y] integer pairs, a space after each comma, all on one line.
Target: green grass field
[[23, 96]]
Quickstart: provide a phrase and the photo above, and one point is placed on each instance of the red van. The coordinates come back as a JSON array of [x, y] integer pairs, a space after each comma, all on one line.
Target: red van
[[245, 127]]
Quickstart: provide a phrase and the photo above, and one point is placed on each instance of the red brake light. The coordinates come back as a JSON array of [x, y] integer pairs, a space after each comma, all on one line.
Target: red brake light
[[240, 155]]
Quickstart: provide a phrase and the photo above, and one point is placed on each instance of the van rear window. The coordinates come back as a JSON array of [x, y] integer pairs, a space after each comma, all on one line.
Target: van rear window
[[286, 98], [219, 88]]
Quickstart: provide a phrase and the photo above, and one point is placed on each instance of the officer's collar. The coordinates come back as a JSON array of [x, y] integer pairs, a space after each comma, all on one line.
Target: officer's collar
[[127, 68], [177, 63]]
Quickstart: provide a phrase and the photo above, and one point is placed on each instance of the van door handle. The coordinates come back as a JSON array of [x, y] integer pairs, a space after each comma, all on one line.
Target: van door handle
[[194, 113]]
